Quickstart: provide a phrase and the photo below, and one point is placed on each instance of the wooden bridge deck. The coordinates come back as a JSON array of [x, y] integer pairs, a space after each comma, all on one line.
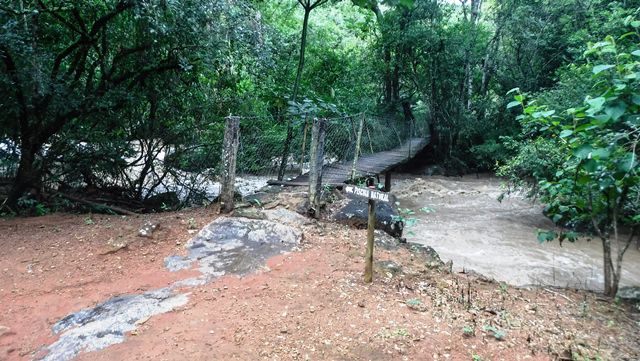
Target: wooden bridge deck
[[369, 164]]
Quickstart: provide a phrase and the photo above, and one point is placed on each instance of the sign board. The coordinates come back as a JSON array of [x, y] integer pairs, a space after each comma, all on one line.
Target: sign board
[[367, 193]]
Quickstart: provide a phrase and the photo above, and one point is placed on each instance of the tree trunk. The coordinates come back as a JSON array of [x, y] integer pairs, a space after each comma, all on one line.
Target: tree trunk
[[386, 56], [294, 98], [303, 44], [608, 267], [27, 177], [467, 85]]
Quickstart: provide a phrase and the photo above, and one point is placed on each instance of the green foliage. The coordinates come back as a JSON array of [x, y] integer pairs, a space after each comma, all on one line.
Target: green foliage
[[498, 334], [402, 216], [468, 331], [427, 210], [592, 180], [94, 92]]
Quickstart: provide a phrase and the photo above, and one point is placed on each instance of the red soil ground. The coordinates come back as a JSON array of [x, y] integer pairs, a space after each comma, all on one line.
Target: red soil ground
[[307, 305]]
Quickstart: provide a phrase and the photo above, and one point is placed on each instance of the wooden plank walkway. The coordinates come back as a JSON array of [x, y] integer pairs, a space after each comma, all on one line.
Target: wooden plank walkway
[[367, 165]]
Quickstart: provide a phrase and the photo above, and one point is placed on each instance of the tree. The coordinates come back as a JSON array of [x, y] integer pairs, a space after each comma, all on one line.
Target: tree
[[86, 65], [596, 182], [307, 6]]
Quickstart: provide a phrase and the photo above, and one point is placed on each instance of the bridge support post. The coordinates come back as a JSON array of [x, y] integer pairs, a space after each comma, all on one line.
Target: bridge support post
[[357, 149], [316, 156], [387, 181], [229, 157]]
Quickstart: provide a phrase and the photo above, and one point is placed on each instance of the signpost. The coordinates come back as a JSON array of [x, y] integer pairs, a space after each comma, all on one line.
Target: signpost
[[373, 196]]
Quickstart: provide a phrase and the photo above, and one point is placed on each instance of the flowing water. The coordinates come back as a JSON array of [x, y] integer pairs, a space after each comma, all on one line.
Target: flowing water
[[464, 222]]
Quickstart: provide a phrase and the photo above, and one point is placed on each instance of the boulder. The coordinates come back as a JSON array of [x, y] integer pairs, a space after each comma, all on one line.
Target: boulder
[[629, 293], [233, 245], [430, 257], [355, 211]]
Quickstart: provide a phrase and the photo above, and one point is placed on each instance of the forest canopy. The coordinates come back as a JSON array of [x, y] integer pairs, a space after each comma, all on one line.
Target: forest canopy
[[91, 90]]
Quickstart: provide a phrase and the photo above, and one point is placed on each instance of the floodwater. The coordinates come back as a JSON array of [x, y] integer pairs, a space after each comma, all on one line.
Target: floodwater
[[465, 223]]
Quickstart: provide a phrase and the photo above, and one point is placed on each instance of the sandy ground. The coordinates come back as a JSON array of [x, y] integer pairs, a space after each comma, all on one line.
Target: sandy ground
[[306, 305]]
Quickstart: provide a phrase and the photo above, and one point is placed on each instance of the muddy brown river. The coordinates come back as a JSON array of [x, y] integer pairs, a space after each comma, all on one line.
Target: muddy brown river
[[468, 226]]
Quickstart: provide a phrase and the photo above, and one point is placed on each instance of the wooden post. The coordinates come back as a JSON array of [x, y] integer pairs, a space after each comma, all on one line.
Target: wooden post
[[304, 144], [370, 143], [387, 181], [229, 157], [316, 156], [368, 258], [357, 153]]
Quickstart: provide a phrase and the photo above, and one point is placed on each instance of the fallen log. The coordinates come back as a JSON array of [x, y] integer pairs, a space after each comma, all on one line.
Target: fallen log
[[114, 209]]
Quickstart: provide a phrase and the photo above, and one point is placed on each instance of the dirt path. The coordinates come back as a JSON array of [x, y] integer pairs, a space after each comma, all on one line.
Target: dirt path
[[498, 239], [305, 305]]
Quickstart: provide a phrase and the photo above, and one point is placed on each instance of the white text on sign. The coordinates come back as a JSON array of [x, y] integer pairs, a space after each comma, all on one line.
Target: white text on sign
[[367, 193]]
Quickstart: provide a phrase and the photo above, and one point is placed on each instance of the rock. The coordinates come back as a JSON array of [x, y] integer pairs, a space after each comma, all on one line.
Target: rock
[[93, 329], [177, 263], [389, 267], [4, 331], [147, 229], [429, 255], [260, 199], [163, 201], [385, 241], [478, 276], [285, 216], [113, 247], [251, 213], [629, 293], [356, 211], [236, 245]]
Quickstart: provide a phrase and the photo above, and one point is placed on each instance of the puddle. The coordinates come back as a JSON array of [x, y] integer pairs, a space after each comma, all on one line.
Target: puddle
[[498, 239]]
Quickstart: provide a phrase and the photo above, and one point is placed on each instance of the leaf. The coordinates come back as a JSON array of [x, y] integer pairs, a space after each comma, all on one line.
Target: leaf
[[601, 153], [595, 104], [602, 67], [635, 53], [565, 133], [513, 104], [583, 152], [583, 179], [635, 24], [626, 163], [513, 90], [590, 165], [546, 236], [616, 110]]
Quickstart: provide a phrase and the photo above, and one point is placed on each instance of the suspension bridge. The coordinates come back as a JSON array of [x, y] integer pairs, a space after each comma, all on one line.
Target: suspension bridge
[[337, 173]]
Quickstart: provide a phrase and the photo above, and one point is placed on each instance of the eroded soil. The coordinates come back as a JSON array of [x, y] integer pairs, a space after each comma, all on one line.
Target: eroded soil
[[306, 305]]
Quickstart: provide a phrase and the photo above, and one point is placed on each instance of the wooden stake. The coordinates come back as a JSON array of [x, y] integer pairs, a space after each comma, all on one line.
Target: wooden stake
[[368, 259], [316, 155], [357, 153], [229, 157], [387, 182], [370, 144], [304, 144]]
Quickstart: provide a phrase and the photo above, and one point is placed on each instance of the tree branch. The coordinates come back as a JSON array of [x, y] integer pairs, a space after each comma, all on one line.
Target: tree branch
[[12, 71]]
